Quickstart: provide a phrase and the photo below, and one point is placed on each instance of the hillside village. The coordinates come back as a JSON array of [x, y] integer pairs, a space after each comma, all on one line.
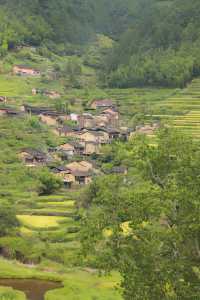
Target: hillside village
[[73, 160]]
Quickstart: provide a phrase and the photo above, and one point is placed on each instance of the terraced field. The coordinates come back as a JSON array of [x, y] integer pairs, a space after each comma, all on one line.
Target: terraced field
[[183, 109], [53, 219]]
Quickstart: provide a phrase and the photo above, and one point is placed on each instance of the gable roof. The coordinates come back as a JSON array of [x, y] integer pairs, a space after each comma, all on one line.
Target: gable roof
[[79, 173], [26, 67], [59, 169], [66, 147]]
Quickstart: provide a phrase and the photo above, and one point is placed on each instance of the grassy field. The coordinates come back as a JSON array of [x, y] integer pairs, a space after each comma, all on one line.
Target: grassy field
[[78, 284], [10, 294]]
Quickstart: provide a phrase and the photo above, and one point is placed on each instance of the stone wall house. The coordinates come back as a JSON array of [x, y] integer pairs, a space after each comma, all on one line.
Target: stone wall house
[[65, 175], [82, 171], [112, 116], [94, 136], [86, 121], [101, 121], [67, 131], [113, 133], [86, 164], [81, 166], [79, 148], [32, 157], [67, 149], [25, 71], [147, 129], [91, 148], [74, 117], [3, 99], [104, 103], [82, 177], [72, 148]]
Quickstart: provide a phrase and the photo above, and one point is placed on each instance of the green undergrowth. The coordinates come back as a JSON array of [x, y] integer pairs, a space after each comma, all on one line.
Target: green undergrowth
[[10, 294]]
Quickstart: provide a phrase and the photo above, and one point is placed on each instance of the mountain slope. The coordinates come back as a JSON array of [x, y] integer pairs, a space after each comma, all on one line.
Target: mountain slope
[[160, 47]]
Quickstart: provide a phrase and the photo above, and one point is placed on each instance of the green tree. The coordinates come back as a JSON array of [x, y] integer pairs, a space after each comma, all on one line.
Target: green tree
[[8, 220], [146, 225], [49, 183]]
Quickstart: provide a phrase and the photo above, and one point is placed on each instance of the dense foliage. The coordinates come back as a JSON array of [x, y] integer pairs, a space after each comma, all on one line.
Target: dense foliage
[[146, 224], [157, 41], [58, 24], [160, 47], [8, 220]]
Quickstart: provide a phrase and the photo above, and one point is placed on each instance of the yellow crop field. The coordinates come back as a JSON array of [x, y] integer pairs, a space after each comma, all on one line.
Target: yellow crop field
[[69, 203], [40, 221]]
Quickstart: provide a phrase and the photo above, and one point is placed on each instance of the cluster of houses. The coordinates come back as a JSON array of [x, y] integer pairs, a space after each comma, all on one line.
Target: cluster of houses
[[85, 138], [74, 173], [84, 135]]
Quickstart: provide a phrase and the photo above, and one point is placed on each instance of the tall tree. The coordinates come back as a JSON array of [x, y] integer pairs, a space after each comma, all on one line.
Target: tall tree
[[147, 226]]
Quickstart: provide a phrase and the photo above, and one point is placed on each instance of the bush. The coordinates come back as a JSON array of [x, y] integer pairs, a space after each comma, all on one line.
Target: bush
[[48, 183], [8, 220]]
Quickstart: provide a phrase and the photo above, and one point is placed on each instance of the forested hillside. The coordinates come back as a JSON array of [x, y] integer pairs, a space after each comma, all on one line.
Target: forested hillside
[[161, 47], [157, 41], [56, 24]]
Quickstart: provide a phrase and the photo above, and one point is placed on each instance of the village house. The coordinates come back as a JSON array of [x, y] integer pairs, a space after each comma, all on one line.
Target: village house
[[53, 118], [75, 173], [91, 148], [65, 175], [50, 94], [113, 133], [67, 131], [74, 117], [95, 136], [105, 103], [82, 177], [82, 166], [112, 111], [112, 116], [3, 99], [71, 148], [9, 112], [147, 129], [32, 157], [25, 71], [78, 147], [101, 121], [86, 121], [82, 171], [125, 133]]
